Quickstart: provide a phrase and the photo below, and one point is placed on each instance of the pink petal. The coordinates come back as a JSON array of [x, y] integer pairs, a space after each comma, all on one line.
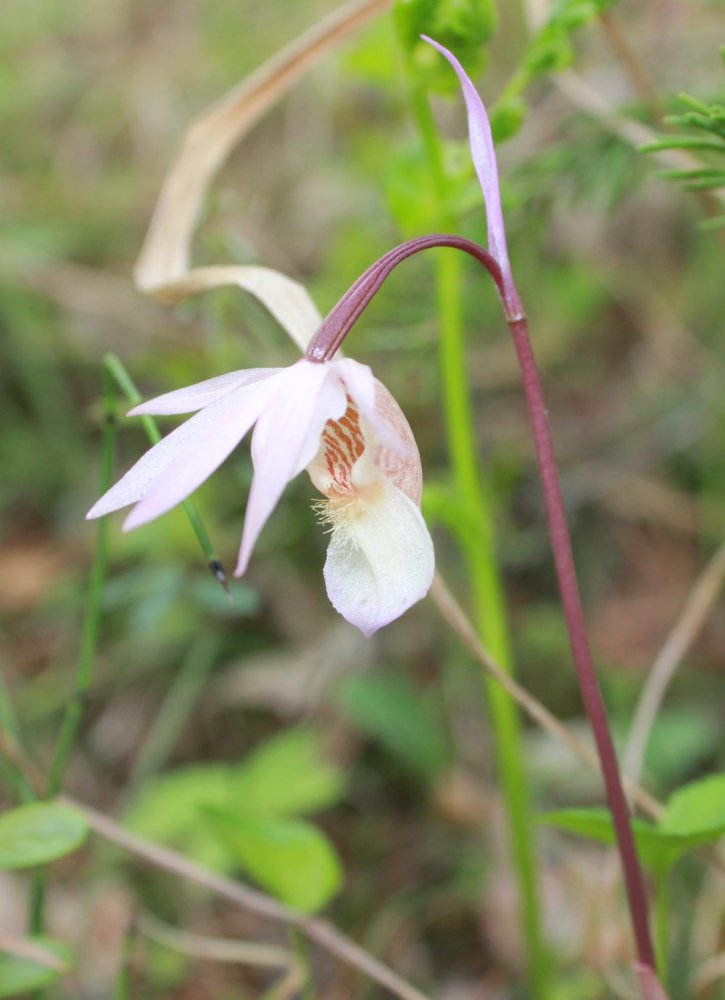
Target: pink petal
[[150, 468], [380, 561], [359, 380], [484, 159], [364, 389], [286, 439], [212, 436], [201, 394]]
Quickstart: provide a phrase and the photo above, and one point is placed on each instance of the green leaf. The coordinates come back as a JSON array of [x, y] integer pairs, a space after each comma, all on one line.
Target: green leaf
[[19, 975], [658, 851], [170, 809], [697, 809], [659, 847], [460, 25], [290, 858], [38, 833], [507, 119], [463, 26], [287, 776], [394, 711]]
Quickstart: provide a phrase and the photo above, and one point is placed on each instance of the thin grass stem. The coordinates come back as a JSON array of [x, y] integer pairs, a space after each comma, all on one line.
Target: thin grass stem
[[71, 720]]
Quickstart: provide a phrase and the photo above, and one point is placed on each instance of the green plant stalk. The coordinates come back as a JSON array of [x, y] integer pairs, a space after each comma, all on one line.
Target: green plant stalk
[[114, 366], [74, 711], [482, 564], [113, 375], [302, 955], [661, 921], [122, 987], [12, 745], [175, 710]]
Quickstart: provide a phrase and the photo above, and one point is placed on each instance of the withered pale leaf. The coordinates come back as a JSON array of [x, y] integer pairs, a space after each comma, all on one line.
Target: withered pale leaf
[[165, 256], [287, 300]]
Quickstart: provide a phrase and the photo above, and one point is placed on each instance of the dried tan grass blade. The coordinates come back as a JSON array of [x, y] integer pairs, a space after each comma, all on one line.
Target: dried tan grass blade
[[287, 300], [699, 606], [213, 134], [461, 625]]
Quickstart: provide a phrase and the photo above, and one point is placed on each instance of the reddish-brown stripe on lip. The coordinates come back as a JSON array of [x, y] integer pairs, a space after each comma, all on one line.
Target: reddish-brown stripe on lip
[[344, 444]]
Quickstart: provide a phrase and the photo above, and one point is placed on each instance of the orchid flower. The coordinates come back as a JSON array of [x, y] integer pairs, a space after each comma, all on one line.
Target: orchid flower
[[333, 419]]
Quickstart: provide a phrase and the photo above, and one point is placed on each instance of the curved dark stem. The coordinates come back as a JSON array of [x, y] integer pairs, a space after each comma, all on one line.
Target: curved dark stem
[[586, 672], [356, 299]]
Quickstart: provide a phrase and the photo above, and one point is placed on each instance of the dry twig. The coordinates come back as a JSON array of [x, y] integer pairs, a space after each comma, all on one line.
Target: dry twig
[[211, 137], [684, 632], [316, 929], [461, 625]]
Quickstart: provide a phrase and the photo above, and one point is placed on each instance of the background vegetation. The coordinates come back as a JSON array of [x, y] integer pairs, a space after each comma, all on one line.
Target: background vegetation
[[263, 736]]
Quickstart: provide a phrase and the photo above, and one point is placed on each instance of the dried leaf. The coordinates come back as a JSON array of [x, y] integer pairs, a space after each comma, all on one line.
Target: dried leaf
[[210, 138]]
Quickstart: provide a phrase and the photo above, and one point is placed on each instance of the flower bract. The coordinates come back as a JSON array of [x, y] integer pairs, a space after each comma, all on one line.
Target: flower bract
[[333, 419]]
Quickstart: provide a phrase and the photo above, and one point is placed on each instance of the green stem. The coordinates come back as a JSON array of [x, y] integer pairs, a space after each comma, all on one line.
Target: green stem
[[175, 710], [72, 717], [122, 988], [13, 748], [302, 955], [481, 561], [74, 711], [115, 367], [661, 913]]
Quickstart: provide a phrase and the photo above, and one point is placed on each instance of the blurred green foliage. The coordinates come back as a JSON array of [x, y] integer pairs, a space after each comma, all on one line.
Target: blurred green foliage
[[625, 301]]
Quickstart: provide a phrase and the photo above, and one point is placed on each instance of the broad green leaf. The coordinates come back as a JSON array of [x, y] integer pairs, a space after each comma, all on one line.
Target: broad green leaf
[[290, 858], [681, 739], [697, 809], [394, 711], [170, 809], [38, 833], [287, 776], [19, 975], [660, 849]]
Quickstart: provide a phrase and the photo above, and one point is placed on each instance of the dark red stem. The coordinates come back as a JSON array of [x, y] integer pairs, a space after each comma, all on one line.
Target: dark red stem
[[571, 601], [323, 346]]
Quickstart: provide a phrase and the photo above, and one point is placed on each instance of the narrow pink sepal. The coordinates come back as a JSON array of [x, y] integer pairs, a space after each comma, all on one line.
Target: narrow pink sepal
[[484, 161], [201, 394], [211, 436], [286, 439], [360, 385]]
